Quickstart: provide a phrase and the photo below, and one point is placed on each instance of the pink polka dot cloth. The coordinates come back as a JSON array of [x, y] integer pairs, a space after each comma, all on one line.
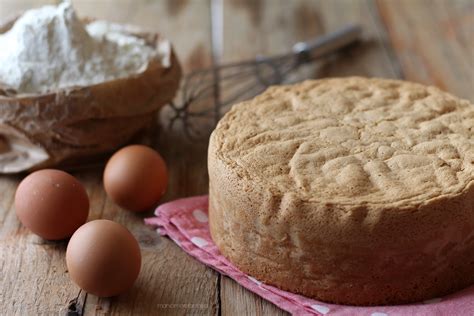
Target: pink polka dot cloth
[[185, 221]]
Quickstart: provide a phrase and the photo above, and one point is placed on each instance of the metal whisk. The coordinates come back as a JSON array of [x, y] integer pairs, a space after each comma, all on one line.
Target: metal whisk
[[207, 94]]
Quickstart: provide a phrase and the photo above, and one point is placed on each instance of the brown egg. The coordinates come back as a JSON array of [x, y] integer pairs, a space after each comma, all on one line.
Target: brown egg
[[103, 258], [51, 203], [136, 177]]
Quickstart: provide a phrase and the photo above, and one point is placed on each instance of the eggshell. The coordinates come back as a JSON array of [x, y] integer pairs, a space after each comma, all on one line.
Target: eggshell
[[103, 258], [136, 177], [51, 203]]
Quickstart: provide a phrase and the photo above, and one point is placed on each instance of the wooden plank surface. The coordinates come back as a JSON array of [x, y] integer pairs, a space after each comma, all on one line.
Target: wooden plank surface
[[425, 41], [434, 41], [272, 27], [34, 278]]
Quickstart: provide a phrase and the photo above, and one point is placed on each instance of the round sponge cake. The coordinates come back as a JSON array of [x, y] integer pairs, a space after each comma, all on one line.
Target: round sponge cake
[[348, 190]]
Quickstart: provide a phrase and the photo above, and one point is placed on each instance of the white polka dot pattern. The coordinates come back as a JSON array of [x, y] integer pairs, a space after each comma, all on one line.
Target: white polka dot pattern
[[176, 242], [200, 216], [198, 241], [254, 280], [320, 308]]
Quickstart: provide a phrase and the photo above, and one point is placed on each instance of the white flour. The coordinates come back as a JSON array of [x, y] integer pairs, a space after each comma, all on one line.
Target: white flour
[[49, 48]]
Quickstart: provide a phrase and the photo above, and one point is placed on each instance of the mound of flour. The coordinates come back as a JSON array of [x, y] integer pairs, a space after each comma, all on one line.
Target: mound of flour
[[50, 48]]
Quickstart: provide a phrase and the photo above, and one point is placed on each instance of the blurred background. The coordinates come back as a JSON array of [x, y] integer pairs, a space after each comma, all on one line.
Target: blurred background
[[426, 41]]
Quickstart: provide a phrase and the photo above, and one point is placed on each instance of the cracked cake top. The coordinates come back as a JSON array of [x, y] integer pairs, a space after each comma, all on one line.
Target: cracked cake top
[[352, 140]]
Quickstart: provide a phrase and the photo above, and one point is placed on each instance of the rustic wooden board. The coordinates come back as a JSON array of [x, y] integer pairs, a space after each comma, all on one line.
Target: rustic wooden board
[[434, 41], [425, 41], [273, 26], [171, 281], [34, 278]]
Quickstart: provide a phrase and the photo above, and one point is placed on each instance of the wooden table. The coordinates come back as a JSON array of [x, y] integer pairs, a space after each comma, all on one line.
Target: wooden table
[[424, 41]]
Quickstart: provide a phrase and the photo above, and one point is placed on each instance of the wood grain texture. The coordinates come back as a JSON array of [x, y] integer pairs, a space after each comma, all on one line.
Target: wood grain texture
[[236, 300], [279, 25], [186, 23], [425, 41], [375, 56], [283, 23], [171, 282], [433, 40], [34, 277]]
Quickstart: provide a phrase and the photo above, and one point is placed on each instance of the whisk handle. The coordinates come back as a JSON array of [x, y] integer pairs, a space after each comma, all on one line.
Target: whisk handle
[[328, 43]]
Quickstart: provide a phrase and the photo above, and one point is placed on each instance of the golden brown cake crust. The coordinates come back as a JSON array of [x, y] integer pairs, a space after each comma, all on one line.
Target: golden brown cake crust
[[349, 190]]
